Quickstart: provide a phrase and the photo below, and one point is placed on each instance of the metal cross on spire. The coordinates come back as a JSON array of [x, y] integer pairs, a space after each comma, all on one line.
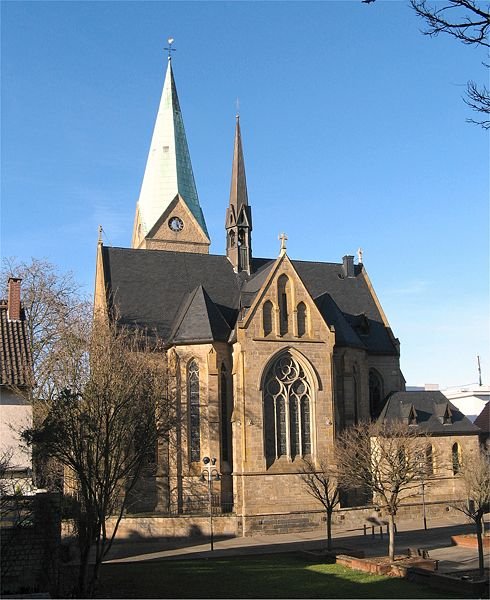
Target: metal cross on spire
[[170, 41]]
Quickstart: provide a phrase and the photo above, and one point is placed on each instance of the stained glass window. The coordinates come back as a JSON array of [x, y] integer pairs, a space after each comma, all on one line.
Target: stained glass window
[[287, 396], [194, 411], [283, 291], [429, 460], [375, 393], [224, 414], [456, 455]]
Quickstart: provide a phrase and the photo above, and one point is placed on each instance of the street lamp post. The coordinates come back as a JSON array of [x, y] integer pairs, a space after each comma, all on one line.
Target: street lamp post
[[210, 473]]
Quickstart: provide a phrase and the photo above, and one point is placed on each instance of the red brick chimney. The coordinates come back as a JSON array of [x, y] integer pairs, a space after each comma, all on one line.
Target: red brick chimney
[[13, 307]]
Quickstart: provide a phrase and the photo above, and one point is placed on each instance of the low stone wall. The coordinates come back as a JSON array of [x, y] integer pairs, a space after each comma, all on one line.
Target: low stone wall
[[183, 526], [30, 546], [145, 527], [470, 541], [422, 571]]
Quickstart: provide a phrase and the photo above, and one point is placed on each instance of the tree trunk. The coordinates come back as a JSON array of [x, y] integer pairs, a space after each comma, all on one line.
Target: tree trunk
[[329, 530], [391, 526], [83, 575], [479, 537]]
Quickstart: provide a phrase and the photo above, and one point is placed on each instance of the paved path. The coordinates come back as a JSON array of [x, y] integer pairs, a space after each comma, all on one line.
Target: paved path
[[436, 539]]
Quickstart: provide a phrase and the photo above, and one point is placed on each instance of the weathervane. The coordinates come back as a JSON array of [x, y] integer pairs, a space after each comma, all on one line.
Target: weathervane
[[238, 108], [170, 41]]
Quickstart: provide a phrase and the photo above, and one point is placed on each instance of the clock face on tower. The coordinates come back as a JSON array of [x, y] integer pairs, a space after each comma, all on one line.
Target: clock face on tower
[[176, 224]]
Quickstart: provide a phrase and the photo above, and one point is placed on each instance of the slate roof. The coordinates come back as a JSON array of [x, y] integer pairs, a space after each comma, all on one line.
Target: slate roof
[[483, 419], [151, 288], [429, 408], [15, 359], [199, 320]]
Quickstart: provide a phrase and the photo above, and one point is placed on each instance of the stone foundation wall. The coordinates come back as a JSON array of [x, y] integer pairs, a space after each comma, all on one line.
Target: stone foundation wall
[[184, 526], [195, 526], [30, 545]]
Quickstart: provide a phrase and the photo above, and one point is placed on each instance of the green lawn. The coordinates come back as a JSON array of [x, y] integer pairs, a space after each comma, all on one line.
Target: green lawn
[[271, 576]]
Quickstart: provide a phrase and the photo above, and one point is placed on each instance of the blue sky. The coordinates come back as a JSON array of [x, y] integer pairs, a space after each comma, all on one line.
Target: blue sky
[[354, 135]]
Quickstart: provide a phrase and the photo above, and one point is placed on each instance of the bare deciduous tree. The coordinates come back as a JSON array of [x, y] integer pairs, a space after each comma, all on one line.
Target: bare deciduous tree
[[385, 460], [56, 315], [475, 472], [469, 22], [104, 431], [321, 483]]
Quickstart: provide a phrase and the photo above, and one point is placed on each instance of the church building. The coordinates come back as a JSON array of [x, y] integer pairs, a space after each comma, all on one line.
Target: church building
[[268, 359]]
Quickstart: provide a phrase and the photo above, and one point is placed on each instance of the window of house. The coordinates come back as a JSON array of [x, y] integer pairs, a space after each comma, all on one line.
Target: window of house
[[267, 317], [456, 458], [287, 420], [301, 316], [283, 292], [194, 411]]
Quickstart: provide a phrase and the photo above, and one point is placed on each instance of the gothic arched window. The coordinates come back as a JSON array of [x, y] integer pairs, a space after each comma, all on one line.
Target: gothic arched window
[[429, 460], [375, 393], [231, 239], [267, 317], [301, 316], [456, 458], [225, 438], [282, 297], [194, 411], [355, 394], [287, 398]]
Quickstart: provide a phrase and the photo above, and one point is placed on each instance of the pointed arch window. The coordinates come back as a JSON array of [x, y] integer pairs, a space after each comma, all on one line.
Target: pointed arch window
[[194, 411], [287, 410], [355, 394], [429, 460], [283, 290], [225, 431], [267, 317], [231, 239], [301, 316], [456, 458], [376, 393]]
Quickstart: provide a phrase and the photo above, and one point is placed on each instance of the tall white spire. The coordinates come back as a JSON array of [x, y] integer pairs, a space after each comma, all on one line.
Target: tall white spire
[[168, 168]]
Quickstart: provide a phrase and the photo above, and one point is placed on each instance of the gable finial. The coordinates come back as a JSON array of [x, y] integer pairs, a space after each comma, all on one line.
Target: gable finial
[[170, 41], [283, 238], [359, 255]]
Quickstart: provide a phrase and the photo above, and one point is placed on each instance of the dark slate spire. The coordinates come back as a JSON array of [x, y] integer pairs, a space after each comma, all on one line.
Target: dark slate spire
[[238, 214]]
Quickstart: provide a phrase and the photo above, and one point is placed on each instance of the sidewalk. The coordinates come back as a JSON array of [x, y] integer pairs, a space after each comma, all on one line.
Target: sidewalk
[[436, 539]]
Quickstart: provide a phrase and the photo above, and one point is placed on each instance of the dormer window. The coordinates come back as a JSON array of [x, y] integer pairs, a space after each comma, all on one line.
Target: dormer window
[[447, 418]]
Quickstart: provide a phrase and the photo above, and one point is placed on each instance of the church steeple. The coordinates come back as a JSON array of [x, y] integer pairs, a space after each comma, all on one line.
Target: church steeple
[[168, 181], [239, 214]]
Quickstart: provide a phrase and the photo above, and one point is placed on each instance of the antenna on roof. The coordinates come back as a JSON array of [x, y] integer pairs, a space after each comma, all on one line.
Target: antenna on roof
[[479, 370]]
